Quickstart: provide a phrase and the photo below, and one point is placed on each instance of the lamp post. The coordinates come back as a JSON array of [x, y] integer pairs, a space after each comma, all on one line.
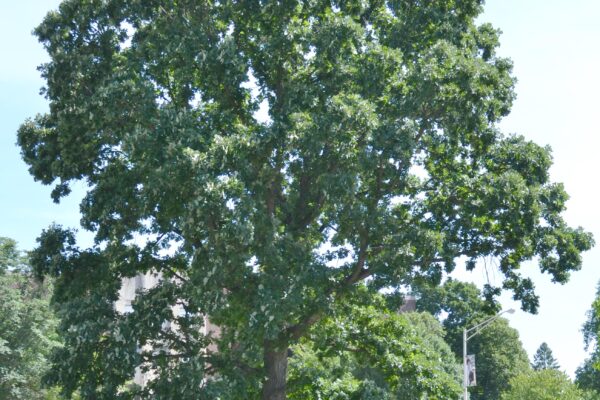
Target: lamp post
[[468, 334]]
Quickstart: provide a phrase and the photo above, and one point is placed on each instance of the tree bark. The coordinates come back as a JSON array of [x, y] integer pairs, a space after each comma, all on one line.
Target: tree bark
[[276, 372]]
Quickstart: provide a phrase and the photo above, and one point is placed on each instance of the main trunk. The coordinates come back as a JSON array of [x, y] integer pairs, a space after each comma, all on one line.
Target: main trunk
[[276, 371]]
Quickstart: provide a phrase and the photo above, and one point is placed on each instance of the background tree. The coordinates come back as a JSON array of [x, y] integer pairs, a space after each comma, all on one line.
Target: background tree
[[11, 259], [543, 358], [370, 352], [458, 304], [544, 384], [27, 328], [500, 357], [588, 375], [590, 395], [375, 155], [499, 352]]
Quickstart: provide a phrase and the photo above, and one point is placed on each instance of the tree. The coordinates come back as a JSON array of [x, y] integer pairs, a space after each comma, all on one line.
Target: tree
[[27, 328], [588, 374], [499, 353], [591, 327], [432, 333], [11, 259], [544, 384], [543, 358], [265, 159], [458, 304], [590, 395], [500, 357], [369, 352]]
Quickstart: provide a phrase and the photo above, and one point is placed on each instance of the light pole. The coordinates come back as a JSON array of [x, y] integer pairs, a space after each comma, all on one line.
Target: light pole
[[468, 334]]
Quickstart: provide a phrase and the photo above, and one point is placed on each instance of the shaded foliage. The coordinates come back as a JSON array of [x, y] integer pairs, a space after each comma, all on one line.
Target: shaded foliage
[[587, 376]]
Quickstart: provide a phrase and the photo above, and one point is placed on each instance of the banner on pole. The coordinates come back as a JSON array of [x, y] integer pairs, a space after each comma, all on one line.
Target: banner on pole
[[470, 370]]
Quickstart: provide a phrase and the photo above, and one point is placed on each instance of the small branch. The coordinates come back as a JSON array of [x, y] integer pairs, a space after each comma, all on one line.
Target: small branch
[[175, 274], [420, 134], [148, 356], [326, 226]]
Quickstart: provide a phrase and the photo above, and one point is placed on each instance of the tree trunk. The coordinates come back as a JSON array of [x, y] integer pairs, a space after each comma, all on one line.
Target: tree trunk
[[276, 372]]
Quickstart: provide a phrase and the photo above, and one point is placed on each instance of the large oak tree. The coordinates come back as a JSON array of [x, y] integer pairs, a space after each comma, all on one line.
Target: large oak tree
[[265, 158]]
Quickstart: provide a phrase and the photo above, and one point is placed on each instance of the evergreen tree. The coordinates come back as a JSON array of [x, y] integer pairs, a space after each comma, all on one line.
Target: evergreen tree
[[543, 358]]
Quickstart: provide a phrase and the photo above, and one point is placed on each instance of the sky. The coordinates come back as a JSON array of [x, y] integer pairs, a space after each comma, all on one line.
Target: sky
[[554, 45]]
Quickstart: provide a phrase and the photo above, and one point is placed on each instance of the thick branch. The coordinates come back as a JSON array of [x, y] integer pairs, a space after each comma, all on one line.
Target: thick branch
[[358, 273], [298, 330], [359, 268]]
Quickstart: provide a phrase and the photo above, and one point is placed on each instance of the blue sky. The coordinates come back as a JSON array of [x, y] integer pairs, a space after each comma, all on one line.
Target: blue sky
[[555, 48], [25, 206]]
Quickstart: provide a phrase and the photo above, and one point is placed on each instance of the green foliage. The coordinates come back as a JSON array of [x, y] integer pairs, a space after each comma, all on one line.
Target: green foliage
[[588, 374], [11, 258], [459, 303], [591, 327], [590, 395], [377, 156], [366, 352], [545, 384], [500, 357], [543, 358], [499, 352], [27, 328]]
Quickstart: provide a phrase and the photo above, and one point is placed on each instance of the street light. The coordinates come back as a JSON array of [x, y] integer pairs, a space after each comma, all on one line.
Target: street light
[[468, 334]]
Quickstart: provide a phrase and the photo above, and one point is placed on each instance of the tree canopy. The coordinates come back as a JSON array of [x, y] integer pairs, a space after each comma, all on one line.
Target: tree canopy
[[458, 305], [588, 374], [11, 259], [368, 352], [544, 384], [27, 328], [500, 355], [265, 158]]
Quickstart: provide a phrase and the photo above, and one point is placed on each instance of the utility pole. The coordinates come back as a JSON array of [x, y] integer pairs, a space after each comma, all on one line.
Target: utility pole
[[465, 376]]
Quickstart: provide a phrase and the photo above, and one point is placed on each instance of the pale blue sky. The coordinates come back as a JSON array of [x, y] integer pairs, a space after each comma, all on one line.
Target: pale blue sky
[[555, 45]]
